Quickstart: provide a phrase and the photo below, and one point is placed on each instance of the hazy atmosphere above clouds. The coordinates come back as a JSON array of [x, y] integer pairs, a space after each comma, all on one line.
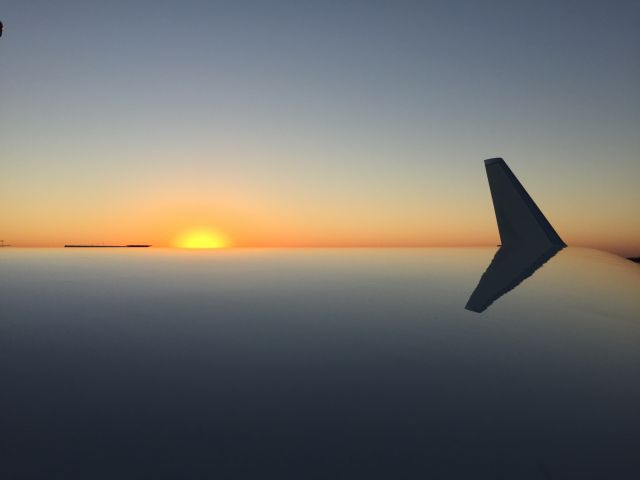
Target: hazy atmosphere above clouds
[[288, 123]]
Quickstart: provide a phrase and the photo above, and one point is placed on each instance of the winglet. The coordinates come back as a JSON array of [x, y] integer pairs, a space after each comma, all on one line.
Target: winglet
[[520, 221]]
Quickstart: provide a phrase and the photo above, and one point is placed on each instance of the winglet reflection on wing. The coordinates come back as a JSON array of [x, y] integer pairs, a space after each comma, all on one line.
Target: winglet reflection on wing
[[528, 239], [509, 267]]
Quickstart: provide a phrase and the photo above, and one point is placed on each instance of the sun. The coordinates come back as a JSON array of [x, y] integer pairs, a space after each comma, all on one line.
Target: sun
[[202, 238]]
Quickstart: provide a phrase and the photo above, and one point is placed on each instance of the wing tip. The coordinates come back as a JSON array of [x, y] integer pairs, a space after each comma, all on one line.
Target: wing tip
[[519, 218], [492, 161]]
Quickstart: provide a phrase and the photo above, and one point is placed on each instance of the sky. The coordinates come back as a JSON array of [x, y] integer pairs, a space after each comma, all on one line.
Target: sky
[[298, 123]]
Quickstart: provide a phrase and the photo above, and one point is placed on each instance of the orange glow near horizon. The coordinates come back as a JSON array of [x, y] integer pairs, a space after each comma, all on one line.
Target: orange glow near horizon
[[193, 214], [202, 238]]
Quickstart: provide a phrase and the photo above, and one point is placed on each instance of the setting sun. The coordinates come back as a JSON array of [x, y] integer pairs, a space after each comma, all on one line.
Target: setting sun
[[202, 238]]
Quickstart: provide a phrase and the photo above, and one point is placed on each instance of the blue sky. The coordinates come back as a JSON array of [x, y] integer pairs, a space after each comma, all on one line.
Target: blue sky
[[317, 122]]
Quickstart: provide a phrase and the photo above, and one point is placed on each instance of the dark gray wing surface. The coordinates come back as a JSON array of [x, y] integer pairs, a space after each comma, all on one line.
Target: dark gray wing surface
[[528, 239], [520, 221]]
